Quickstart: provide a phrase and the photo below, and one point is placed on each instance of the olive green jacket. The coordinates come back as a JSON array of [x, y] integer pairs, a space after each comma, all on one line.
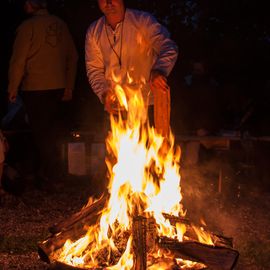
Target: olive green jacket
[[44, 55]]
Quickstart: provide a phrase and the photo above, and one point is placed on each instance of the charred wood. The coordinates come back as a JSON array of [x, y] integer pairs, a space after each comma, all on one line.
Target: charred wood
[[218, 240], [139, 228], [54, 242], [72, 228], [216, 258], [144, 232], [82, 217]]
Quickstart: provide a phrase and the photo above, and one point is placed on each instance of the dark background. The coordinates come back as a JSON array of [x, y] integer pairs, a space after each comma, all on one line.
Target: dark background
[[231, 37]]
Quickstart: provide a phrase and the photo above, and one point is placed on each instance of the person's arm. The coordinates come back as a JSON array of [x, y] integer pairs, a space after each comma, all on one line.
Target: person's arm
[[95, 68], [165, 48], [18, 59], [71, 66]]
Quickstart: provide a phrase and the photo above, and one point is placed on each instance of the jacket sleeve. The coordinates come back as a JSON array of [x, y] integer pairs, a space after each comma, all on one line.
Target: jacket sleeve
[[95, 68], [19, 56], [72, 61], [164, 47]]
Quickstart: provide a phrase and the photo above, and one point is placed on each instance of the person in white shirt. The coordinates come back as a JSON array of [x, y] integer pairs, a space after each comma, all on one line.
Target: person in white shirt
[[127, 43]]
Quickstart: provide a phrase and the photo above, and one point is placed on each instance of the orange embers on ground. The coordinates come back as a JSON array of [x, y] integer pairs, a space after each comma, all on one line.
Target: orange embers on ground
[[144, 180]]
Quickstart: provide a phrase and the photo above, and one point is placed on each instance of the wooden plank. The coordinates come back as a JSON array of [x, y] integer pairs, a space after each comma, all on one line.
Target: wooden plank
[[139, 242], [72, 228], [83, 216], [219, 240], [216, 258], [162, 111]]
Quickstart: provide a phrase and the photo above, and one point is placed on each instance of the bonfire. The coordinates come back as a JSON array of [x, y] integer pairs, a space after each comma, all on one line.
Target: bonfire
[[139, 222]]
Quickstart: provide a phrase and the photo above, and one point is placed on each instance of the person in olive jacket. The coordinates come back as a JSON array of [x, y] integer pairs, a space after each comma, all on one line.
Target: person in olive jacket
[[43, 69]]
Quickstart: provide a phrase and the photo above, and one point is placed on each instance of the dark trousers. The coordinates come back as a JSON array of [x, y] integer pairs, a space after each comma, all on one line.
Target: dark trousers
[[42, 108]]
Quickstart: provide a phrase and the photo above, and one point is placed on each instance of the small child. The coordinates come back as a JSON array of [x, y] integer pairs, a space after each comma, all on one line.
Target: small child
[[3, 150]]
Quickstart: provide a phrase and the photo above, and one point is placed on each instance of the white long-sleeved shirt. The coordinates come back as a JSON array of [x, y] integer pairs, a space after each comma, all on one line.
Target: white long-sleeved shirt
[[138, 45]]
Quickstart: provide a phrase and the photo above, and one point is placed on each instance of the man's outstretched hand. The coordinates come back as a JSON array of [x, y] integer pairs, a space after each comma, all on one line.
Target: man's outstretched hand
[[110, 101]]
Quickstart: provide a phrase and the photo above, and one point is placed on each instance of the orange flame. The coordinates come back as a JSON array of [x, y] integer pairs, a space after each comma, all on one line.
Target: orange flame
[[143, 180]]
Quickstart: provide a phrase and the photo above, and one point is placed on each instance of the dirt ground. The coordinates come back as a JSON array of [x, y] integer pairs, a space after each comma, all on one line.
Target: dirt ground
[[238, 206]]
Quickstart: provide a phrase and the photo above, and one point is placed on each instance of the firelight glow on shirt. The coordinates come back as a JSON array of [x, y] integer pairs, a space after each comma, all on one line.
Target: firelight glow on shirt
[[138, 45]]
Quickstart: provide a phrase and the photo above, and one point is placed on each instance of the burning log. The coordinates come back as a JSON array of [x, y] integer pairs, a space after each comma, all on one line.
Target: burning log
[[144, 240], [55, 242], [218, 240], [72, 228], [87, 215], [215, 257], [221, 256], [139, 242]]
